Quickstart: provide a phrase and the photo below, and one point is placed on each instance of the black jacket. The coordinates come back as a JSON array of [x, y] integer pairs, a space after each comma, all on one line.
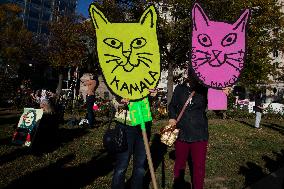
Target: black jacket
[[257, 105], [193, 124]]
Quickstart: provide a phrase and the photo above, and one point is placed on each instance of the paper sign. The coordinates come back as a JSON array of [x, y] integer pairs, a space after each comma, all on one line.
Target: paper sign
[[128, 53], [218, 52]]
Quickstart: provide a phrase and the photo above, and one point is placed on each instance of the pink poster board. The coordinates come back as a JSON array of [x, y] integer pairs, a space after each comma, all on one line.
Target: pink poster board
[[218, 53]]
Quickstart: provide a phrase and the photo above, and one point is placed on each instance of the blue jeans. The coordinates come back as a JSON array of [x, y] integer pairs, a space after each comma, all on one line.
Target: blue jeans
[[135, 147], [90, 112]]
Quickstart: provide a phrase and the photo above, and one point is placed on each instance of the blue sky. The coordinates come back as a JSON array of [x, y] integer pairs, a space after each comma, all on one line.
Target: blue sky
[[83, 6]]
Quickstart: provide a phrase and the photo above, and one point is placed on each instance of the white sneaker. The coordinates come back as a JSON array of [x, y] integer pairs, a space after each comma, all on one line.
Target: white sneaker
[[27, 143], [86, 121], [83, 121]]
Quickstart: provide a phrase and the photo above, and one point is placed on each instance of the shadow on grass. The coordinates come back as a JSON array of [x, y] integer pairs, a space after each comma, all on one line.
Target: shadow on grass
[[9, 120], [274, 127], [254, 172], [14, 155], [59, 175], [8, 114], [47, 139], [6, 140], [271, 164], [245, 123]]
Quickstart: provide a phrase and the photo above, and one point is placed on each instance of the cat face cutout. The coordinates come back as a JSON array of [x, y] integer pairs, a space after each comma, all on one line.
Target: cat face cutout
[[218, 48], [128, 53]]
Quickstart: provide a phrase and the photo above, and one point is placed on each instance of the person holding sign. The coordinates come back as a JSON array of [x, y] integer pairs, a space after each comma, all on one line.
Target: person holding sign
[[193, 135], [129, 57], [135, 145], [192, 141]]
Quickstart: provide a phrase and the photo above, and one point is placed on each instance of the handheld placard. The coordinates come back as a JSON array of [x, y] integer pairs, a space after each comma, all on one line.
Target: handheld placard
[[129, 57], [218, 53]]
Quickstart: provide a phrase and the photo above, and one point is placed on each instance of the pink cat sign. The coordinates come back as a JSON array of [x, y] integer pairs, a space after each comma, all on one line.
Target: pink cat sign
[[218, 53]]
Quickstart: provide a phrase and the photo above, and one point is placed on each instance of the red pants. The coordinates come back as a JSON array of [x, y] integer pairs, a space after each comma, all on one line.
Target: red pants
[[195, 154]]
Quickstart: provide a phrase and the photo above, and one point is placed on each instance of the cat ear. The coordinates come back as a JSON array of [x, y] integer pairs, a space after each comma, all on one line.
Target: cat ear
[[241, 23], [97, 16], [199, 18], [149, 17]]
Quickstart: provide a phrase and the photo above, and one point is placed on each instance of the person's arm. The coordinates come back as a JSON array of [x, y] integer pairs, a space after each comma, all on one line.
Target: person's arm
[[258, 104], [261, 107], [172, 109], [119, 103]]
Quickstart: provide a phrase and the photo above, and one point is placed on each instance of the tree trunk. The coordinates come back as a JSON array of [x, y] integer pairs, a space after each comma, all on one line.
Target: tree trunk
[[170, 83], [59, 85]]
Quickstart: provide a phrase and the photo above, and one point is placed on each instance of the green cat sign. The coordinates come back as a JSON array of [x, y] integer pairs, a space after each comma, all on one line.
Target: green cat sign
[[128, 53]]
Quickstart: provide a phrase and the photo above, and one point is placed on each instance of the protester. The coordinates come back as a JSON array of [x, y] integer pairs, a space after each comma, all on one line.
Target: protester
[[46, 106], [135, 147], [36, 96], [83, 88], [258, 108], [89, 84], [192, 141]]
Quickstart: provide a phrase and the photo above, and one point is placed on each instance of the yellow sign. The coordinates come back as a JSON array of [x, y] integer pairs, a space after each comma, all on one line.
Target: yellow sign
[[128, 53]]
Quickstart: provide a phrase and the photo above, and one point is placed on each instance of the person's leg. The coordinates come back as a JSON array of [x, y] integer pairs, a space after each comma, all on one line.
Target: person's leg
[[139, 158], [181, 152], [90, 111], [122, 161], [257, 119], [198, 152]]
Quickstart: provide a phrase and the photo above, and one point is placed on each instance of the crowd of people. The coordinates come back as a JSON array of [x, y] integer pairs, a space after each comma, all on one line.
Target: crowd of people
[[190, 146]]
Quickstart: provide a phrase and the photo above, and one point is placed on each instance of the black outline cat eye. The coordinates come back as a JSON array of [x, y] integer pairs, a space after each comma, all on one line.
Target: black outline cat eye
[[109, 42], [142, 43], [232, 37], [203, 39]]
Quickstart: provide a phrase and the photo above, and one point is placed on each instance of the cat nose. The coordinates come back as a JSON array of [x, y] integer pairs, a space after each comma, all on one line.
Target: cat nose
[[216, 53], [126, 53], [218, 57]]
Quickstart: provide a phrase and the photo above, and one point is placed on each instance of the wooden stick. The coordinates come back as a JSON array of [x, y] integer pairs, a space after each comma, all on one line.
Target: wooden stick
[[150, 163]]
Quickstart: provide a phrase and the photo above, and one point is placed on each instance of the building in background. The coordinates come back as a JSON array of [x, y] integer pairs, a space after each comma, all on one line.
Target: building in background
[[274, 91], [38, 13]]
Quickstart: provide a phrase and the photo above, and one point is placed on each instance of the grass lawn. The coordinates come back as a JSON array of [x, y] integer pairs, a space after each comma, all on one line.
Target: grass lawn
[[238, 155]]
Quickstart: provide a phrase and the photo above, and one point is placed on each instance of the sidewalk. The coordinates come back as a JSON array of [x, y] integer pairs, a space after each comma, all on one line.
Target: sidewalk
[[273, 181]]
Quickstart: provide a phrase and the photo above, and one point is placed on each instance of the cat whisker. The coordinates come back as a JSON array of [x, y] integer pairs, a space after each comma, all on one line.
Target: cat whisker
[[144, 63], [198, 65], [112, 60], [115, 68], [232, 53], [237, 60], [118, 64], [203, 52], [240, 53], [144, 53], [111, 55], [145, 58], [229, 63], [206, 58]]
